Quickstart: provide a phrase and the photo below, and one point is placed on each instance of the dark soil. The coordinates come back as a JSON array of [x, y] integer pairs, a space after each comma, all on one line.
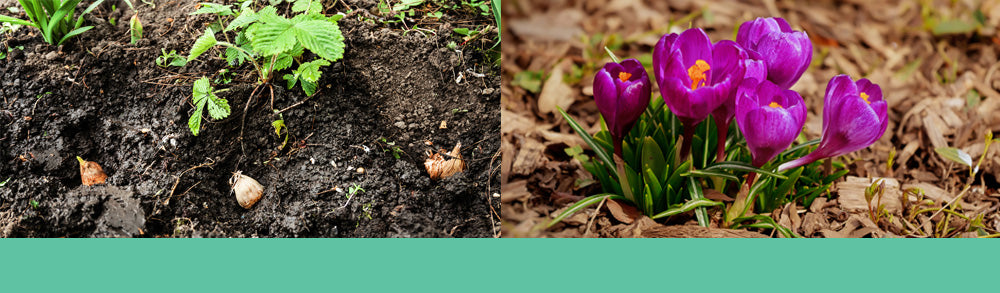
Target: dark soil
[[102, 99]]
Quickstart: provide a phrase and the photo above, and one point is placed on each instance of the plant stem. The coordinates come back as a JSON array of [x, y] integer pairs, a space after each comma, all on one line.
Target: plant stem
[[252, 60], [689, 129], [720, 149]]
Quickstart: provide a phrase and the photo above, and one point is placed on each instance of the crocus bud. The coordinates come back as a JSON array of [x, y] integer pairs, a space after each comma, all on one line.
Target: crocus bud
[[621, 91], [786, 53], [770, 118], [854, 117]]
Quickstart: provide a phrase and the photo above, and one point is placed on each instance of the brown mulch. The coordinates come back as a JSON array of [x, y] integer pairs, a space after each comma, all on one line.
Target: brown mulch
[[942, 90]]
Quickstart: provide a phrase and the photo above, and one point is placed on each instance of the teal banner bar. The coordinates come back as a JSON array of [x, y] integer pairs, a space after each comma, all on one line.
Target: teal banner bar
[[495, 265]]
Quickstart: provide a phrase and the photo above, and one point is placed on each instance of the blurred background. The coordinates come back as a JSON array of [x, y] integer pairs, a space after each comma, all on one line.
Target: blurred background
[[936, 62]]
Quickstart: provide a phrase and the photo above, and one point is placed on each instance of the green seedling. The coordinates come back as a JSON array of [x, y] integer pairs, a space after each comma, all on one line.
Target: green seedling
[[170, 59], [392, 147], [54, 18], [5, 181], [351, 191], [279, 125], [113, 21], [135, 28], [204, 94], [33, 203]]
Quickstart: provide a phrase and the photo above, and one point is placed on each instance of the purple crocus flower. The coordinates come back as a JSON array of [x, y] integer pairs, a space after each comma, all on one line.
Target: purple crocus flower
[[854, 117], [696, 76], [723, 115], [787, 53], [622, 94], [770, 118]]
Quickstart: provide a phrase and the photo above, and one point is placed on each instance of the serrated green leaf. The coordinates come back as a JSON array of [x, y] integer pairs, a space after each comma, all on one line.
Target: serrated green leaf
[[246, 17], [322, 38], [201, 89], [309, 87], [955, 155], [292, 80], [309, 71], [269, 14], [272, 38], [310, 6], [202, 44], [194, 123], [218, 108]]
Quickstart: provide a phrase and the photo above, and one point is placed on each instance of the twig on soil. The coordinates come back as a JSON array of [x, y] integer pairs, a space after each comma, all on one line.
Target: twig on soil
[[489, 197], [598, 211], [209, 163]]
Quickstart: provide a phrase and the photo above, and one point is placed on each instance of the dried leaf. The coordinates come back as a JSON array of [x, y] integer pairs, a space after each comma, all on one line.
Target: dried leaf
[[624, 213], [440, 167], [555, 92]]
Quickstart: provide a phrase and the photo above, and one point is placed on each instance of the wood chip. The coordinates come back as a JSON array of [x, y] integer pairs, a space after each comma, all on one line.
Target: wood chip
[[852, 195]]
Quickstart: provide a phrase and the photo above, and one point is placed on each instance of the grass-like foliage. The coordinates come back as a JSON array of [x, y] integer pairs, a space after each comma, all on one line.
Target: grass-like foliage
[[54, 18], [661, 185], [204, 95]]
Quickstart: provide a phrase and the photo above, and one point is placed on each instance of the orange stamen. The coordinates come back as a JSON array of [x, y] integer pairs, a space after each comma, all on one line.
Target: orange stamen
[[624, 76], [697, 73], [865, 97], [775, 105]]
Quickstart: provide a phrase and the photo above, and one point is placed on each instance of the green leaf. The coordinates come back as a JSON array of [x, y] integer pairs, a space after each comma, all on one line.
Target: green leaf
[[309, 71], [202, 94], [274, 37], [953, 27], [310, 6], [686, 207], [4, 18], [222, 10], [955, 155], [583, 203], [700, 212], [652, 156], [742, 166], [218, 108], [74, 33], [194, 123], [135, 26], [710, 174], [322, 38], [79, 21], [246, 17], [202, 44], [601, 154], [61, 12]]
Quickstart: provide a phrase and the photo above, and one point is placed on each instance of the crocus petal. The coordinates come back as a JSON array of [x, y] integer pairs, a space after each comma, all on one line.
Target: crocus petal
[[786, 53], [769, 117], [854, 117], [621, 92], [662, 54], [694, 45]]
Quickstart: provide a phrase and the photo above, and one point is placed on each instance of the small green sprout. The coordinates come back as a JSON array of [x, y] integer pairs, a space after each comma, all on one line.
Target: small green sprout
[[135, 28], [34, 204], [5, 181], [170, 59], [351, 191], [396, 150]]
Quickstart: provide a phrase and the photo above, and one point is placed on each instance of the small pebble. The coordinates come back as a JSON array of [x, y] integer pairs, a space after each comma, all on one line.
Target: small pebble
[[400, 124], [361, 170]]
